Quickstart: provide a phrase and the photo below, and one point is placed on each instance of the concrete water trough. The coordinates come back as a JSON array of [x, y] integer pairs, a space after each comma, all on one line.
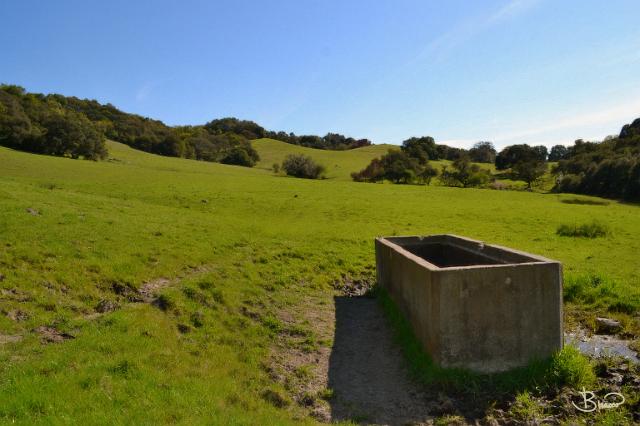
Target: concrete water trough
[[473, 305]]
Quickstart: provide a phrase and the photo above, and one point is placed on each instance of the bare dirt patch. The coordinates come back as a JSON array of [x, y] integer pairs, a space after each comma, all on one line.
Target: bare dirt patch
[[300, 359], [149, 289], [52, 335], [353, 370], [17, 315], [105, 306], [8, 338], [367, 371]]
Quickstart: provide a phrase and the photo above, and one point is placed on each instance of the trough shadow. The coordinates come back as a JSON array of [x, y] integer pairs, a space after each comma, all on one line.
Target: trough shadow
[[367, 371]]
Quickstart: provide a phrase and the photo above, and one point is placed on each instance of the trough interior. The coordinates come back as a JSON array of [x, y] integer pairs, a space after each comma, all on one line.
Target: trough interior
[[445, 251], [447, 255]]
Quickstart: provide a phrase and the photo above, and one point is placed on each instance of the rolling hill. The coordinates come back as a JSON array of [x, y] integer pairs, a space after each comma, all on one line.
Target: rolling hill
[[339, 164]]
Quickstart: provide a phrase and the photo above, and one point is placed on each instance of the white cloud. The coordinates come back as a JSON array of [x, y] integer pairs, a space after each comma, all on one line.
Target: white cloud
[[143, 92], [470, 28], [458, 143], [589, 123], [511, 10], [146, 90]]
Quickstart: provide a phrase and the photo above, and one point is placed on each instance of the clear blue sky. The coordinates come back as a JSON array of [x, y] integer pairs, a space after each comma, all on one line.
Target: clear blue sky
[[509, 71]]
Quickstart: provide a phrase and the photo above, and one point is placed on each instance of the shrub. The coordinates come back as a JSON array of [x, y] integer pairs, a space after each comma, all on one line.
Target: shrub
[[465, 174], [241, 155], [600, 293], [426, 173], [374, 172], [570, 368], [302, 166], [588, 230]]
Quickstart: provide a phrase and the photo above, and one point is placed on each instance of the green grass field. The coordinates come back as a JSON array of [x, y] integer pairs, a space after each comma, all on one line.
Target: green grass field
[[239, 247]]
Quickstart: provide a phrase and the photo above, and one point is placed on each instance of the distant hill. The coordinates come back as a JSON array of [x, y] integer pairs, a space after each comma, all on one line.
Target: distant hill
[[339, 164], [68, 126]]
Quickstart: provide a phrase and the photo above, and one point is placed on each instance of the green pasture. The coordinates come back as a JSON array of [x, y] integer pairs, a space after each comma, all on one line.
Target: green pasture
[[234, 241]]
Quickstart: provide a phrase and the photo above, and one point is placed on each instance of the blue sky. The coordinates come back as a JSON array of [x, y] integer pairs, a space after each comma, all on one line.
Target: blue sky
[[508, 71]]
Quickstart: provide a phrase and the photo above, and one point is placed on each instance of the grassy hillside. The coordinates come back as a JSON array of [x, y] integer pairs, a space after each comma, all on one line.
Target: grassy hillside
[[232, 252], [339, 164]]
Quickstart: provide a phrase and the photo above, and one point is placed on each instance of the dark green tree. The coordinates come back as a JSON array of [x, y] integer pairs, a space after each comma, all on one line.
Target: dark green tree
[[399, 167], [422, 149], [513, 154], [530, 171], [483, 152], [558, 152]]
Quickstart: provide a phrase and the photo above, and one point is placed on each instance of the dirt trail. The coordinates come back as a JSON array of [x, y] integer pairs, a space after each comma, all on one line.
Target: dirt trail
[[367, 370], [362, 366]]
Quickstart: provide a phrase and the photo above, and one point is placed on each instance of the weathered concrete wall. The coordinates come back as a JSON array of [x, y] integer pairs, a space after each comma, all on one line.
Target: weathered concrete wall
[[490, 316]]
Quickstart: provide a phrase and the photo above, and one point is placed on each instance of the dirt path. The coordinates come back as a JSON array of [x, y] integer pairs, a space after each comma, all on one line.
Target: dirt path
[[367, 371]]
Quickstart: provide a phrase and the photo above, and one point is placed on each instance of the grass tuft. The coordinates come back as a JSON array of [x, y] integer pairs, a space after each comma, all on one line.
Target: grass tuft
[[585, 202], [600, 294], [592, 229]]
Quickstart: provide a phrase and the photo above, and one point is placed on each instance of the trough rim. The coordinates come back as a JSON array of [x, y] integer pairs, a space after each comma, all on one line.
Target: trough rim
[[536, 259]]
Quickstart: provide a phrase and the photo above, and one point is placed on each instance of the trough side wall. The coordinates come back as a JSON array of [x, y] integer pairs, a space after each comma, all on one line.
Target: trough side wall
[[497, 318], [415, 291]]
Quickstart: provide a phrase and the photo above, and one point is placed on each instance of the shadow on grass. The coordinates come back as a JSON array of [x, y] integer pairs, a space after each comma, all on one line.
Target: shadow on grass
[[367, 371]]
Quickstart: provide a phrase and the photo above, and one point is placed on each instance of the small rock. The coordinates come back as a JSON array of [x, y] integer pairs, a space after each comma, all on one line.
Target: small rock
[[106, 306], [616, 378], [18, 315], [607, 326]]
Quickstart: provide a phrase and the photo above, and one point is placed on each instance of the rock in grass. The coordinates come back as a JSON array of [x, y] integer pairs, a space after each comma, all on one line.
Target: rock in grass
[[106, 306], [18, 315], [52, 335], [607, 326]]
